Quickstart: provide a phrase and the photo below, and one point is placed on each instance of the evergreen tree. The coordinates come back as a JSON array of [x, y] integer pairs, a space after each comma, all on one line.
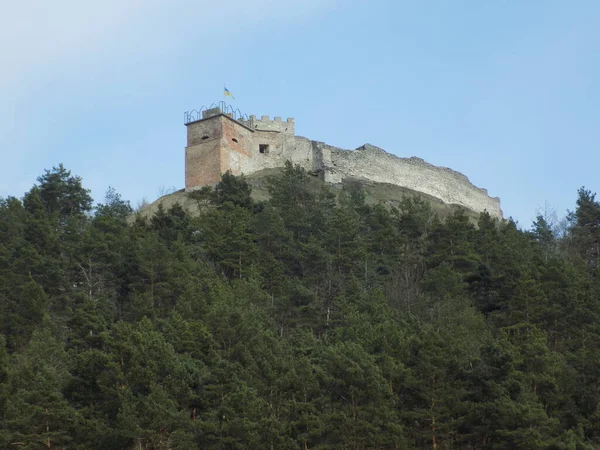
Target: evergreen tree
[[585, 227], [309, 320], [233, 189], [37, 413], [62, 194]]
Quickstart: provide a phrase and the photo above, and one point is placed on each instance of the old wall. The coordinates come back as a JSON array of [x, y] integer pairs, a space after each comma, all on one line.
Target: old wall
[[282, 147], [374, 164], [202, 165], [203, 130], [236, 147]]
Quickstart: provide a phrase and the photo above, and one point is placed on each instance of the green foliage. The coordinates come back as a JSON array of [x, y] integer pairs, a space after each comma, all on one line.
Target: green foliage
[[585, 227], [114, 207], [63, 194], [309, 321], [233, 189], [37, 413]]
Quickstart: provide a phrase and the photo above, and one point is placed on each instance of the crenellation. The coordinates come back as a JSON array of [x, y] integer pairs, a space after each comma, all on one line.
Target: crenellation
[[218, 142], [266, 124]]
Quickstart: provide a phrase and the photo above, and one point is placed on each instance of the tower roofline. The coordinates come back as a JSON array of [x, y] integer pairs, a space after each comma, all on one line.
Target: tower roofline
[[220, 115]]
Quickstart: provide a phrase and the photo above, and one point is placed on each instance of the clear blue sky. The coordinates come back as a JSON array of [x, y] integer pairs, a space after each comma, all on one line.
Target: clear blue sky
[[506, 92]]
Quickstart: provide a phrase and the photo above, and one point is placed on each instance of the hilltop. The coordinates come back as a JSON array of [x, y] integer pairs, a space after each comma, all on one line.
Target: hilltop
[[375, 193], [221, 139]]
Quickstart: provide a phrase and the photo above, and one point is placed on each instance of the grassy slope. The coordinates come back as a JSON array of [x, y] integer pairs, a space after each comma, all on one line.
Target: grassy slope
[[388, 194]]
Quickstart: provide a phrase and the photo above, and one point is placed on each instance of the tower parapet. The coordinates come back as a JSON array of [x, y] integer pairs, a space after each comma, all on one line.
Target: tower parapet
[[213, 110]]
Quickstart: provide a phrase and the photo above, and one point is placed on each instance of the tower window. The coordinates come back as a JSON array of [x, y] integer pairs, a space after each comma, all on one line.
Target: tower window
[[204, 138], [263, 148]]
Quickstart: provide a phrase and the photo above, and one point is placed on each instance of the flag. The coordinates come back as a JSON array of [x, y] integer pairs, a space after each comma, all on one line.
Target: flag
[[226, 93]]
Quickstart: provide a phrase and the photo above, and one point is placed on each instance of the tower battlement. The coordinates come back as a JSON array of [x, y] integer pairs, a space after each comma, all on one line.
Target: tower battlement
[[265, 124]]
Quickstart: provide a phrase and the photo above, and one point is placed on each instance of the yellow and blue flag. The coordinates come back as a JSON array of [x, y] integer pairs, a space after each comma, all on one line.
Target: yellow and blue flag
[[226, 93]]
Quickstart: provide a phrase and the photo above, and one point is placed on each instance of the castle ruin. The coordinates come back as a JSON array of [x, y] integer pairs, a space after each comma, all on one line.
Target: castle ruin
[[219, 140]]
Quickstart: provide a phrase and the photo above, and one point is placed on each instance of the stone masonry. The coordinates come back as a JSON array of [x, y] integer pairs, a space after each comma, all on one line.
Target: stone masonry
[[217, 143]]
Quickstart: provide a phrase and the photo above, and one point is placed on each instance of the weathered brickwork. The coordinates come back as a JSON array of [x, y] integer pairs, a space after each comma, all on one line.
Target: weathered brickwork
[[202, 165], [218, 143], [204, 130]]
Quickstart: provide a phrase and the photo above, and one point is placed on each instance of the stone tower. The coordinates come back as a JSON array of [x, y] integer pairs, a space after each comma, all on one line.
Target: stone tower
[[217, 142], [221, 139]]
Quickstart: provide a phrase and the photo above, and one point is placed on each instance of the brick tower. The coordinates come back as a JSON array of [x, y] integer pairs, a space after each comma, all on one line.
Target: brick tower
[[218, 142]]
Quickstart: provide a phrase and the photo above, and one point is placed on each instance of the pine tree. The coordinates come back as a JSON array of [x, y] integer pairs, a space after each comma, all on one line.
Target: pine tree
[[37, 413]]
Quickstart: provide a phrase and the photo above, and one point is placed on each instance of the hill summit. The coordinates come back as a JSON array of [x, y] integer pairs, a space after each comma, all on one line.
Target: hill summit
[[221, 139]]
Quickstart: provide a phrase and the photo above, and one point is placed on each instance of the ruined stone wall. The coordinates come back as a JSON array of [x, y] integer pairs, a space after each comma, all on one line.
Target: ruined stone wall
[[369, 163], [374, 164], [281, 148]]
